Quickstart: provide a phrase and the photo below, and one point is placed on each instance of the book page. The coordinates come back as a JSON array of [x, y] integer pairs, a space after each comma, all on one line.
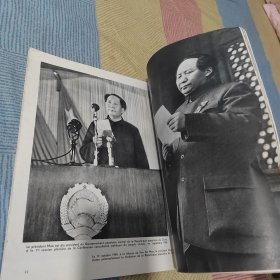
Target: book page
[[71, 217], [221, 177]]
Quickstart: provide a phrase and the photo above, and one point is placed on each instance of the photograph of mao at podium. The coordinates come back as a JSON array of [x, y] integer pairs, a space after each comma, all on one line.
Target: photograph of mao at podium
[[94, 168]]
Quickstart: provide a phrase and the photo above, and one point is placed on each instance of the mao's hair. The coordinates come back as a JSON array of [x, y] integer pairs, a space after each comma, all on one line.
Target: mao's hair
[[122, 102], [204, 61]]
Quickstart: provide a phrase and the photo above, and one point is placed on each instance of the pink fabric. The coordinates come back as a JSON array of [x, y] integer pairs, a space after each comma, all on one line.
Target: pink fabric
[[239, 277], [181, 19], [276, 3], [273, 16]]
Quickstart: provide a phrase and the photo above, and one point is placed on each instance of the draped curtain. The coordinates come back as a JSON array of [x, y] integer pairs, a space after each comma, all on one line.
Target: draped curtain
[[44, 144]]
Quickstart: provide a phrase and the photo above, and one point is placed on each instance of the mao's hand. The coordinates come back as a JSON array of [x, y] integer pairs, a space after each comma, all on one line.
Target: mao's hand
[[98, 141], [166, 152], [177, 122]]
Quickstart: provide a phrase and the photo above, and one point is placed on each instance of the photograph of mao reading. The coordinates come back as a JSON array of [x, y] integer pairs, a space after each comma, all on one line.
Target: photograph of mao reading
[[220, 153], [94, 169]]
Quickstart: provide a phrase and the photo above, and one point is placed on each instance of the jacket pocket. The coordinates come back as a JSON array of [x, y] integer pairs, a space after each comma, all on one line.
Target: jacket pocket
[[231, 206]]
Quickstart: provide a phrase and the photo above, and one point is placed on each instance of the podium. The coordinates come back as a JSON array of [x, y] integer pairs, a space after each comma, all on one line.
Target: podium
[[135, 198]]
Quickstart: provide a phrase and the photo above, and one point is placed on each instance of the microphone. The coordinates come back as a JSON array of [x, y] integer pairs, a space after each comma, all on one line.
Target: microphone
[[73, 129], [74, 126], [95, 107]]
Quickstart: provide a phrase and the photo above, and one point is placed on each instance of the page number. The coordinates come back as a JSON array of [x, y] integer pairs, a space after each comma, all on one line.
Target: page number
[[26, 271]]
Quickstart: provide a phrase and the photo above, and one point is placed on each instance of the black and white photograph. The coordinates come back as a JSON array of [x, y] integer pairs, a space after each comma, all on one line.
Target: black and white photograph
[[219, 152], [94, 169]]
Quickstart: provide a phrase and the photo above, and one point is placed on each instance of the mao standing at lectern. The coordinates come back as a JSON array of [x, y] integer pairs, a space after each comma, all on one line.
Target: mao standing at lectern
[[127, 146]]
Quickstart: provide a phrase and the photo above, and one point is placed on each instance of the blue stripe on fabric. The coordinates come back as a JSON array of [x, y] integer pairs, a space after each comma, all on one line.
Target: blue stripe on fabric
[[66, 28], [11, 88], [6, 168], [237, 13]]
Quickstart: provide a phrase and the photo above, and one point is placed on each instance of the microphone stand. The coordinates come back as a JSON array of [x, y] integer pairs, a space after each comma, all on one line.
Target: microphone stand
[[73, 129], [95, 108], [95, 160], [73, 152], [111, 161]]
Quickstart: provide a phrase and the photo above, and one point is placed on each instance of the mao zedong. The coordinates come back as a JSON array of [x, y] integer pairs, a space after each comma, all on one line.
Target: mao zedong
[[127, 147], [225, 218]]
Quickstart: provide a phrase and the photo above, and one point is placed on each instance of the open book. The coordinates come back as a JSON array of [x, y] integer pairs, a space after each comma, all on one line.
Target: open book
[[115, 176]]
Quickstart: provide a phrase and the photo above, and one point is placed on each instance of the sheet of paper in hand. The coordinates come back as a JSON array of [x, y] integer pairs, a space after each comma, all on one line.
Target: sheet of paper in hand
[[164, 133], [104, 128]]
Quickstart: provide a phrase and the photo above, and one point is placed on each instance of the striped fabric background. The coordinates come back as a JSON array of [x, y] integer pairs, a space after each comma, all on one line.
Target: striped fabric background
[[119, 36]]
